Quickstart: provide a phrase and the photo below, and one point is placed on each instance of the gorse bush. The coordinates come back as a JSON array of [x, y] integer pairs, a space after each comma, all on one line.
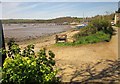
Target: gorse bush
[[102, 25], [94, 26], [96, 31], [86, 31], [24, 66]]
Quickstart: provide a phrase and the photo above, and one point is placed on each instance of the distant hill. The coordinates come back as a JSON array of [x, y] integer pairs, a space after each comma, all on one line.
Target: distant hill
[[59, 20], [56, 20], [109, 17]]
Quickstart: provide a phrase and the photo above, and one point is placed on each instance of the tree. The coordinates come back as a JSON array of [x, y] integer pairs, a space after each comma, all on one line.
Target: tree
[[118, 11]]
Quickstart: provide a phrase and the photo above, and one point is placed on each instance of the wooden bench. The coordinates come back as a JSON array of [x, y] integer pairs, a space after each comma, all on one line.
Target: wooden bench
[[62, 37]]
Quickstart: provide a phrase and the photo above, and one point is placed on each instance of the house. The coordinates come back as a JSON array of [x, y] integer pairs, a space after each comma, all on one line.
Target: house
[[117, 18]]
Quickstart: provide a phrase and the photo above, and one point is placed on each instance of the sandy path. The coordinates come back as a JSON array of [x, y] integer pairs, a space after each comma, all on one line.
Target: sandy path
[[88, 53], [68, 59]]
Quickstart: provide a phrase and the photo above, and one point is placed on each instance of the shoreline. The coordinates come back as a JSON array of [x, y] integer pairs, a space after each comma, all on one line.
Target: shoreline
[[21, 33], [24, 40], [45, 40]]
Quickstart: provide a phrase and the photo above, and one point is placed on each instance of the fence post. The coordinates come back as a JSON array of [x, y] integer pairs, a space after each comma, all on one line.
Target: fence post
[[56, 38], [65, 38]]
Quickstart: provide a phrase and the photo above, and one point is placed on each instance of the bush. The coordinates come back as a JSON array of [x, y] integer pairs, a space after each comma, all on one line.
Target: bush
[[24, 66], [86, 31], [118, 24], [102, 25], [93, 32]]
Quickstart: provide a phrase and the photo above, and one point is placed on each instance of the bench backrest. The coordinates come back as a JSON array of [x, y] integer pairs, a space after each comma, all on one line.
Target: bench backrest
[[62, 37]]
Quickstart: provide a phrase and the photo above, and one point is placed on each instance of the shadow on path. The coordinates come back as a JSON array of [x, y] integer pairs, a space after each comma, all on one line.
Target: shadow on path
[[110, 74]]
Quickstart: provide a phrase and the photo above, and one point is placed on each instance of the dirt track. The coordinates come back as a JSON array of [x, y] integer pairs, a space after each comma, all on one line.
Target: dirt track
[[88, 53], [69, 59]]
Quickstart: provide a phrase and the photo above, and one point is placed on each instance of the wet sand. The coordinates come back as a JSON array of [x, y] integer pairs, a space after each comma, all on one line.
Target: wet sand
[[21, 32]]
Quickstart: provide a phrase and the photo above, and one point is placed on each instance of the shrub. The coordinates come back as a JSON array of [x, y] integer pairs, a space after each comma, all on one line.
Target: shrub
[[102, 25], [86, 31], [24, 66], [117, 25], [93, 32]]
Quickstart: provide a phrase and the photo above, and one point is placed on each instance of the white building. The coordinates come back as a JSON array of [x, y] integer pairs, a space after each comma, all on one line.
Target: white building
[[117, 18]]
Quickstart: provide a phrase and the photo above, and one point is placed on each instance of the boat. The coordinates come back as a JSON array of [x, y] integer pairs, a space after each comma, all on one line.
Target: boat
[[81, 25]]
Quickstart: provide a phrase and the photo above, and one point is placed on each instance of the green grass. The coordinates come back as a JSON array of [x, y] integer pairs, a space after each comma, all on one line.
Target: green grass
[[117, 25], [93, 38]]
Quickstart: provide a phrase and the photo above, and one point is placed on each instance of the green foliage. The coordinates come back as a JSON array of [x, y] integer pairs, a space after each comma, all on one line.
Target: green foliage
[[98, 30], [65, 44], [95, 26], [93, 38], [118, 10], [24, 66], [86, 31], [102, 25], [117, 25]]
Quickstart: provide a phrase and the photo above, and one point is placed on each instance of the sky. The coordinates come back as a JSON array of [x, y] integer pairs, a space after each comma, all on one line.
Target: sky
[[50, 10], [59, 0]]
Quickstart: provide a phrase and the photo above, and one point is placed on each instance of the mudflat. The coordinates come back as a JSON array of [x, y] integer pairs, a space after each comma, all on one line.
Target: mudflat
[[21, 32]]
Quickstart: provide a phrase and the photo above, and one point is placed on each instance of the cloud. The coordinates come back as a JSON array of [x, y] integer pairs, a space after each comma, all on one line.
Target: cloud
[[14, 7], [11, 9], [54, 9], [21, 9]]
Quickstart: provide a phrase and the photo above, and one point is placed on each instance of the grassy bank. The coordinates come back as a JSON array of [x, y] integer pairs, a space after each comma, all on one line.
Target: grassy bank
[[94, 38], [99, 30]]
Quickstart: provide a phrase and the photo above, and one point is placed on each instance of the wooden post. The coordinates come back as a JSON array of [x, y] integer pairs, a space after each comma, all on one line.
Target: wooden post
[[65, 38], [56, 38]]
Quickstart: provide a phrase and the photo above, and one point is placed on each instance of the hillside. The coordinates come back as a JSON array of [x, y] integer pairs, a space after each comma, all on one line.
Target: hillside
[[56, 20], [59, 20]]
